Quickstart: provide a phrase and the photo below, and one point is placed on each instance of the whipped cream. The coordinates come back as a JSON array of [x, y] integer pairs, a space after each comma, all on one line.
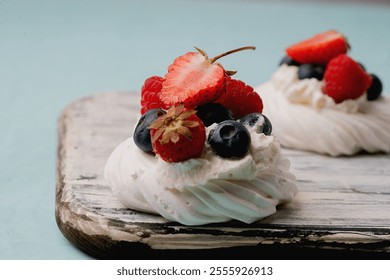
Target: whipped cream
[[203, 190], [304, 118]]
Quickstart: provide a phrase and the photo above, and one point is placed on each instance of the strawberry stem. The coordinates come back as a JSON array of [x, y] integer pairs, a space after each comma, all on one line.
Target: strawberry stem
[[212, 60]]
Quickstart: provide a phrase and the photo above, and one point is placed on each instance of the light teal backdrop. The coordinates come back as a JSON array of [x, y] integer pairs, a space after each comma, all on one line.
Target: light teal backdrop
[[54, 52]]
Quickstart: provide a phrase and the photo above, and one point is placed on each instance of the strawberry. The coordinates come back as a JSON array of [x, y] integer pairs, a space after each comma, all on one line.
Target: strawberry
[[195, 79], [150, 94], [240, 98], [178, 135], [345, 79], [319, 49]]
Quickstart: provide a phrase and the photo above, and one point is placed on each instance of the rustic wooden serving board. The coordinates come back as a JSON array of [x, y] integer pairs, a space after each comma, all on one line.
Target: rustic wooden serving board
[[342, 209]]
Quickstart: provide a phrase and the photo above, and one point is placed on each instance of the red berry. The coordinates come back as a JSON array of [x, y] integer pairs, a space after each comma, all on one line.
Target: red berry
[[240, 99], [319, 49], [345, 79], [150, 94], [178, 135], [194, 79]]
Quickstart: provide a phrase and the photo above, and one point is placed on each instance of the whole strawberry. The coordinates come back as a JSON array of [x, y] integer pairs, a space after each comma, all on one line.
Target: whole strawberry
[[195, 79], [178, 135], [150, 94], [319, 49], [345, 79], [240, 98]]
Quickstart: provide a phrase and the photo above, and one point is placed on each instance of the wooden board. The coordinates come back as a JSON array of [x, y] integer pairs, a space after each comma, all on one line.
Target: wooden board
[[342, 209]]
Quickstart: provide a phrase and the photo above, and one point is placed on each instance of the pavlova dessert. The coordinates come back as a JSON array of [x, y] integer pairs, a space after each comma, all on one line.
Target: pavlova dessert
[[322, 100], [202, 152]]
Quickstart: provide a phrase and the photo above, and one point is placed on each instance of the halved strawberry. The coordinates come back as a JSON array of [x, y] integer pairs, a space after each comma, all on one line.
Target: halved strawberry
[[240, 99], [319, 49], [345, 79], [195, 79], [178, 135]]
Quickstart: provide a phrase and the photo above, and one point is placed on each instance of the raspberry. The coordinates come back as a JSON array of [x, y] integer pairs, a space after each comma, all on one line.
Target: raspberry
[[240, 98], [150, 94], [345, 79]]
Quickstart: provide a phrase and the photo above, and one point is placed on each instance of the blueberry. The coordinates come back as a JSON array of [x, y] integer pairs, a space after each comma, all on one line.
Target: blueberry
[[289, 61], [375, 89], [307, 71], [261, 123], [213, 113], [142, 132], [229, 139]]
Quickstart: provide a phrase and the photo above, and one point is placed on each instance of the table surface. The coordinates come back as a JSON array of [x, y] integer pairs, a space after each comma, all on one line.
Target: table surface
[[55, 52]]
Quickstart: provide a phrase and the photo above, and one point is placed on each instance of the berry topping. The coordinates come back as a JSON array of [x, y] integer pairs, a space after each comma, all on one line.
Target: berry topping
[[178, 135], [375, 90], [289, 61], [150, 94], [213, 113], [261, 123], [319, 49], [195, 79], [345, 79], [141, 135], [307, 71], [240, 98], [361, 65], [229, 139]]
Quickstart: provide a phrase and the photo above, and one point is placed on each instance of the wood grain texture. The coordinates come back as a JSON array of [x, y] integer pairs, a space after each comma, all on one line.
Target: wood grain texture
[[342, 209]]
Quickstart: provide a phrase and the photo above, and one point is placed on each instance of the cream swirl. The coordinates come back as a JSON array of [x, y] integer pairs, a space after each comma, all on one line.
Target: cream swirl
[[304, 118], [204, 190]]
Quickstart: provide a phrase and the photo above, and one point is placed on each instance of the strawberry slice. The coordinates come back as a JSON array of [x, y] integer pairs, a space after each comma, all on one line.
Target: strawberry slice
[[345, 79], [319, 49], [195, 79]]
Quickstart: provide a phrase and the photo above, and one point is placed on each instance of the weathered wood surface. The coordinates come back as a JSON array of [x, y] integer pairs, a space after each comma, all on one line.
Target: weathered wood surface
[[342, 209]]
